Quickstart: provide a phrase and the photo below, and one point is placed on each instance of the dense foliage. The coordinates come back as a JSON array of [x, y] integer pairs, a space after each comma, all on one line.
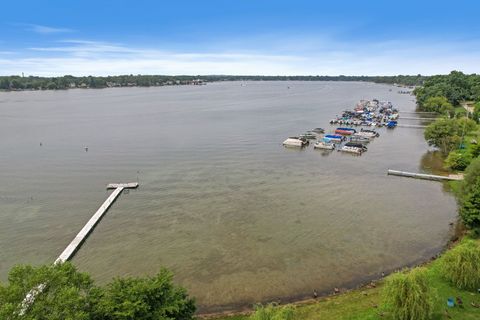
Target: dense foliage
[[66, 82], [70, 294], [470, 196], [447, 134], [455, 87], [439, 105], [271, 312], [408, 295], [461, 266], [458, 160]]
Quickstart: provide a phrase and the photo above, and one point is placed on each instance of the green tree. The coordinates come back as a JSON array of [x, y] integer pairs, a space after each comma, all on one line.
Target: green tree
[[439, 104], [476, 112], [470, 196], [408, 295], [65, 295], [148, 298], [272, 312], [457, 160], [442, 134], [461, 266], [69, 294]]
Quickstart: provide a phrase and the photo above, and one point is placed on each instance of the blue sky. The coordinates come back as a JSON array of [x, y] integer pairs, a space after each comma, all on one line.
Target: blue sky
[[239, 37]]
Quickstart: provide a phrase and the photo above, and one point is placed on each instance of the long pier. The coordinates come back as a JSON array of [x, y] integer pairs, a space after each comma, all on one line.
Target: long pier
[[424, 176], [417, 126], [420, 119], [83, 234], [70, 250]]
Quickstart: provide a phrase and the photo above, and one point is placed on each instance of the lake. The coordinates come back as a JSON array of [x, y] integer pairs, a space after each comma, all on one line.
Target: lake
[[236, 216]]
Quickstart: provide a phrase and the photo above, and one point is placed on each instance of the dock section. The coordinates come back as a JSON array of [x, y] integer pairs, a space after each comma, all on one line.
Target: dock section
[[78, 240], [83, 234], [424, 176]]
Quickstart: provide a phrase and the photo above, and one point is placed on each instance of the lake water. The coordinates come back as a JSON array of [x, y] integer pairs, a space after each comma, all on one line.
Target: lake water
[[236, 216]]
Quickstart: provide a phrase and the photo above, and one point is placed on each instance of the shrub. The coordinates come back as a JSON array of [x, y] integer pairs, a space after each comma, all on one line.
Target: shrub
[[461, 266], [408, 295], [272, 312], [458, 160], [470, 196], [475, 150]]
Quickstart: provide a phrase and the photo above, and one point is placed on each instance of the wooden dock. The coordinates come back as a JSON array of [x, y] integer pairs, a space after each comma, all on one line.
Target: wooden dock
[[418, 118], [424, 176], [417, 126], [78, 240], [83, 234]]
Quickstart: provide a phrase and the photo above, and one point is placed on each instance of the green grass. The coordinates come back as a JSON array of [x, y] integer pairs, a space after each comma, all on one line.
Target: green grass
[[366, 304]]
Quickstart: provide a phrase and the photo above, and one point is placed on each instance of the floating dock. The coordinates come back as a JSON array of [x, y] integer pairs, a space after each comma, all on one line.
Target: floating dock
[[417, 126], [417, 118], [78, 240], [83, 234], [424, 176]]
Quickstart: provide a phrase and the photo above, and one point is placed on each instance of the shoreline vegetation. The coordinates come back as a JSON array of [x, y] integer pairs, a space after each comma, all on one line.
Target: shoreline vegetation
[[445, 287], [21, 83]]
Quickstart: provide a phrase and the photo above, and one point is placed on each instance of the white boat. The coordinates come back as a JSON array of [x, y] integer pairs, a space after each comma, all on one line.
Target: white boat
[[366, 134], [295, 142], [324, 145], [349, 149], [360, 139]]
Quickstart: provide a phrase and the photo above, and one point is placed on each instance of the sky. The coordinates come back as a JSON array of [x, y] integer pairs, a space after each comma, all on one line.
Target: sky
[[242, 37]]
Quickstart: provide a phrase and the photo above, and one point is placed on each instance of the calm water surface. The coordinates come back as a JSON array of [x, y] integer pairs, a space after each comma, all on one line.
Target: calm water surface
[[236, 216]]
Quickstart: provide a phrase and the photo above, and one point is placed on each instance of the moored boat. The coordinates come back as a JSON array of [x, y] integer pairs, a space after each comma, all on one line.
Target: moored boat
[[357, 145], [345, 131], [318, 130], [334, 137], [392, 124], [309, 135], [359, 139], [324, 145], [295, 142]]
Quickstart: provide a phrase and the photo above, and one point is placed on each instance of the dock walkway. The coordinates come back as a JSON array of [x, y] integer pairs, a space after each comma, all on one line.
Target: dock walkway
[[424, 176], [70, 250], [83, 234]]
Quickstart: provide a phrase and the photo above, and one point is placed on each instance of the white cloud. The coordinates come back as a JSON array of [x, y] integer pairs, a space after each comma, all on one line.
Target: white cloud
[[81, 57], [37, 28]]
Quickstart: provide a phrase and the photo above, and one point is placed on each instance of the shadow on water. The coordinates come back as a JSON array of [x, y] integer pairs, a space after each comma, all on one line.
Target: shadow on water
[[432, 162]]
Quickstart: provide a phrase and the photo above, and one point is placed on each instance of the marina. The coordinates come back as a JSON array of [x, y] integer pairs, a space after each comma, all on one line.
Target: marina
[[367, 113]]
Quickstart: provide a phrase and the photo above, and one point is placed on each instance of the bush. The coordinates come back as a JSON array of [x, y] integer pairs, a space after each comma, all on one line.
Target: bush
[[70, 294], [470, 207], [272, 312], [472, 175], [475, 150], [470, 196], [408, 295], [461, 266], [458, 160]]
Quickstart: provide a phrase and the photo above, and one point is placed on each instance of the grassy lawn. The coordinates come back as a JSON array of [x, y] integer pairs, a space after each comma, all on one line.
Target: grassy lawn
[[366, 304]]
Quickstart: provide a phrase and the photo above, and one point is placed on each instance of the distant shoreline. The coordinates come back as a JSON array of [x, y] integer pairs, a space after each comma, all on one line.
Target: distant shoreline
[[34, 83]]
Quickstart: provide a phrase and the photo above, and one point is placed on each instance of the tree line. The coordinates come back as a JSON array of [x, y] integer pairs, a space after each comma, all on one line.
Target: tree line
[[68, 81], [456, 134]]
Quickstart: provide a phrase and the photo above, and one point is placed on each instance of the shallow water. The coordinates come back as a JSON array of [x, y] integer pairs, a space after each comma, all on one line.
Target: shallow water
[[235, 215]]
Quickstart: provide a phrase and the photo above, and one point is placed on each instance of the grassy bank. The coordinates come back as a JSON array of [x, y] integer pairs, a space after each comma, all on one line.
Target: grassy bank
[[366, 303]]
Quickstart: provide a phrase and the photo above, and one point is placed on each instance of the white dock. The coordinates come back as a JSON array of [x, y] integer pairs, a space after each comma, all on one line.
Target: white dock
[[83, 234], [424, 176], [417, 118], [78, 240], [401, 125]]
